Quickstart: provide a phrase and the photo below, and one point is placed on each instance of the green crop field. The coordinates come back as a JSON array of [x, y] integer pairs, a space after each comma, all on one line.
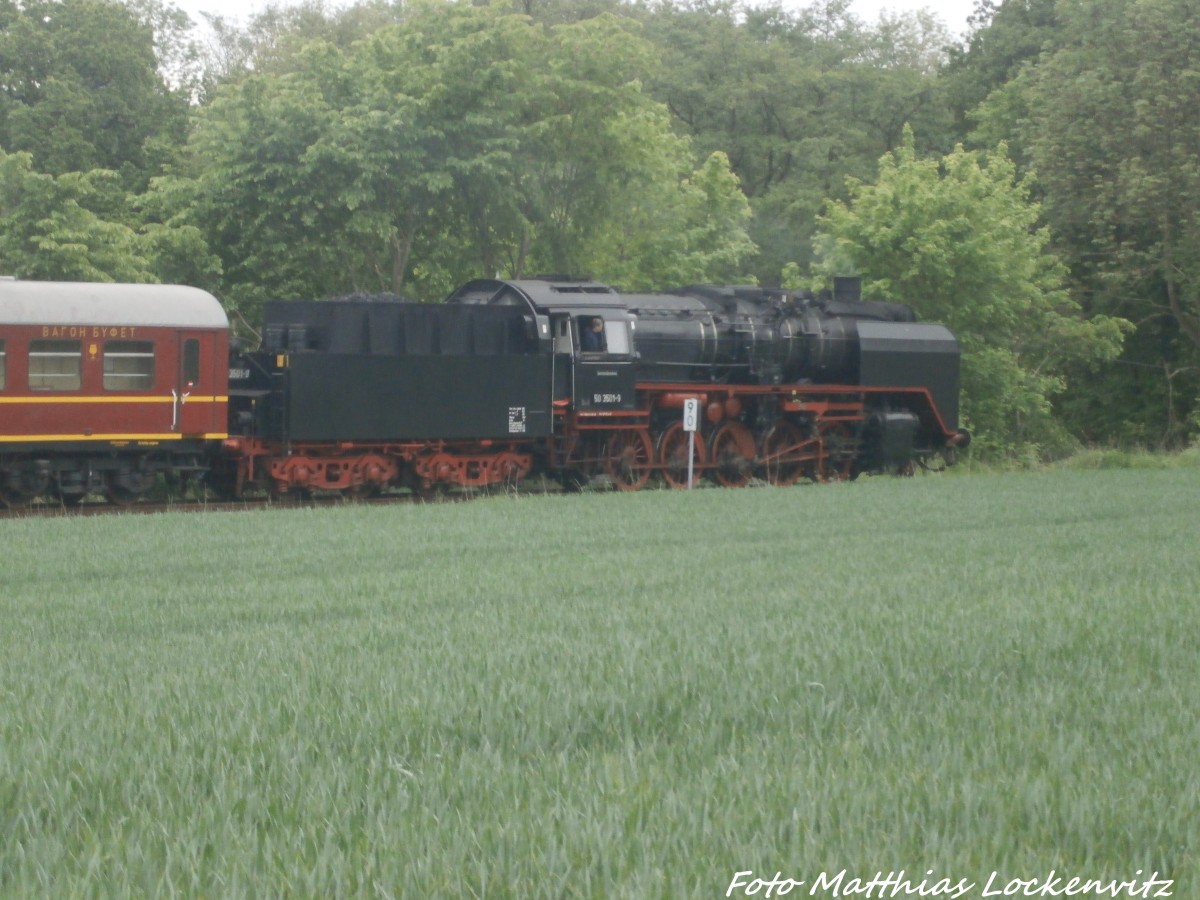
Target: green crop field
[[973, 679]]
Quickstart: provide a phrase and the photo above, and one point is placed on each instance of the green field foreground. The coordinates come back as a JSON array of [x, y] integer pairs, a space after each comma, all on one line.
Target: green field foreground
[[608, 695]]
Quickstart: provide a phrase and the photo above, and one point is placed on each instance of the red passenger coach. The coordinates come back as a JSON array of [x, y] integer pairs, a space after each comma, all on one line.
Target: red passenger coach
[[103, 386]]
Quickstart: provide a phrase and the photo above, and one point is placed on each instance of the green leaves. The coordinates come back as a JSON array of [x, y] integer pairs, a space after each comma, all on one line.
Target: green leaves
[[50, 232], [1116, 128], [797, 102], [959, 240], [79, 90], [463, 140]]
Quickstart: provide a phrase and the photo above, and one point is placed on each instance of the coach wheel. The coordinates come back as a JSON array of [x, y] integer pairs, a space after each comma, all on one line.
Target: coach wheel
[[628, 460], [732, 452], [840, 450], [22, 485], [120, 496], [15, 498], [673, 455], [788, 455], [127, 486]]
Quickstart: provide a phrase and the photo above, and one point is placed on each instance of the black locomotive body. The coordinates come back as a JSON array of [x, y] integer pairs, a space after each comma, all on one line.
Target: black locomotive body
[[581, 382]]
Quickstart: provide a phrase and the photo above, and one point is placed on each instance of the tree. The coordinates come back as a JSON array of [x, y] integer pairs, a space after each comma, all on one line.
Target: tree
[[797, 101], [982, 80], [337, 173], [70, 228], [958, 240], [675, 231], [1113, 129], [464, 140], [273, 40], [258, 199], [606, 189], [80, 90]]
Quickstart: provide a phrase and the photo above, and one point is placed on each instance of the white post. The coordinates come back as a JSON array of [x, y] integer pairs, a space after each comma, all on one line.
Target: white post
[[691, 418]]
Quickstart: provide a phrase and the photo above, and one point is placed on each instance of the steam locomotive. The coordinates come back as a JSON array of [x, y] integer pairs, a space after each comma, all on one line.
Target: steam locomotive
[[506, 379]]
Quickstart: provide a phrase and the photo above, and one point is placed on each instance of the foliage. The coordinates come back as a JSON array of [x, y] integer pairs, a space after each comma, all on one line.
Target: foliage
[[1113, 127], [694, 234], [179, 54], [958, 240], [80, 90], [982, 79], [1143, 398], [797, 101], [461, 140], [81, 227], [1129, 459]]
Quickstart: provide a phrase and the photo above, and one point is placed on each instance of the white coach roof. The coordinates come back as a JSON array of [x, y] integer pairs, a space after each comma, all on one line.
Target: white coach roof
[[78, 303]]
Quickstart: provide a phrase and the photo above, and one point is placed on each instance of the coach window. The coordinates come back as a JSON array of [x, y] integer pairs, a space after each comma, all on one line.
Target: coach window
[[191, 361], [3, 367], [54, 365], [128, 365]]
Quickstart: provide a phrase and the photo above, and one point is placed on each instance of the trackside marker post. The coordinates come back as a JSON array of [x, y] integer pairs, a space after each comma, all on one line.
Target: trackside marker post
[[691, 418]]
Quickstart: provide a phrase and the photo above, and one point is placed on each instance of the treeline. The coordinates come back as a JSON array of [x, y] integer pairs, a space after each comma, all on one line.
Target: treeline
[[1034, 186]]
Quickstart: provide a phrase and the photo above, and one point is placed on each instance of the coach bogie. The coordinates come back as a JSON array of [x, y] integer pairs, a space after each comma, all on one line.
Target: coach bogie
[[129, 481], [24, 480]]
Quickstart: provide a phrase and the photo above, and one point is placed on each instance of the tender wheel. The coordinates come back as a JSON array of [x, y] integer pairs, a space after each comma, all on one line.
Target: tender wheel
[[788, 455], [628, 460], [284, 494], [731, 450], [508, 470], [673, 455]]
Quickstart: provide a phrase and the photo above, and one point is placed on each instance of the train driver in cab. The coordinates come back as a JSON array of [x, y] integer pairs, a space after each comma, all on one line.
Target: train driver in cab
[[591, 339]]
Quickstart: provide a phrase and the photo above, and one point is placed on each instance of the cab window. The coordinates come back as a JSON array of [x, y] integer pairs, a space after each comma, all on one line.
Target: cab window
[[616, 336], [562, 335], [55, 365], [591, 334], [128, 365]]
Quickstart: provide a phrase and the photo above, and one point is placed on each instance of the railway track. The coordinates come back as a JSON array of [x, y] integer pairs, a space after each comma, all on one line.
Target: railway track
[[46, 509]]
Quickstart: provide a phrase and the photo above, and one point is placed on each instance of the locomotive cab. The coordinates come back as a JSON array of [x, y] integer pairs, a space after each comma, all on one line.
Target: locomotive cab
[[592, 337], [594, 353]]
